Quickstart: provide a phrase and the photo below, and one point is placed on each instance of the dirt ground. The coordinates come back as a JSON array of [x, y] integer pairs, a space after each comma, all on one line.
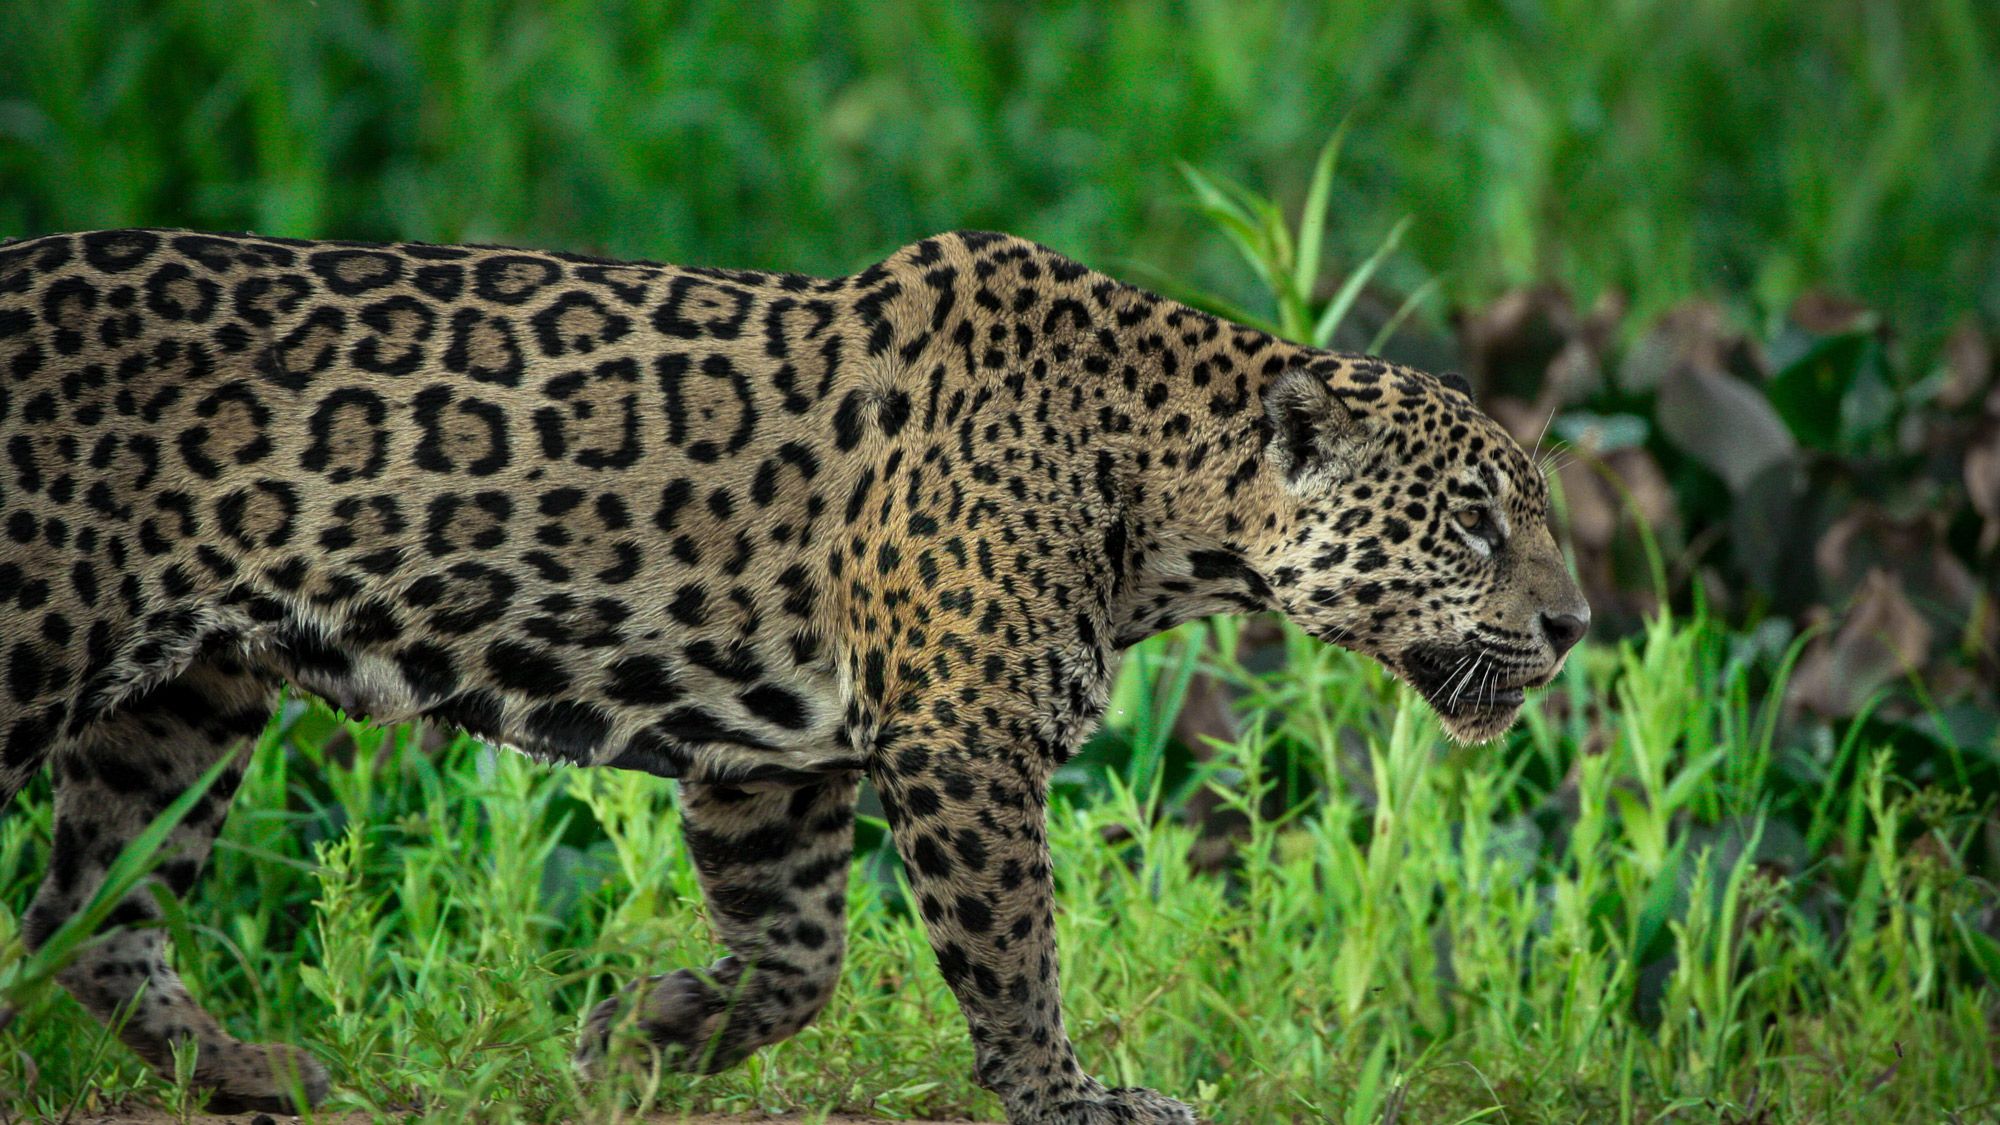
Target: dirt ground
[[163, 1117]]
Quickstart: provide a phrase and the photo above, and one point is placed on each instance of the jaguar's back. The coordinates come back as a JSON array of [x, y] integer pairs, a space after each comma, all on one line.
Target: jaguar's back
[[575, 506], [568, 504]]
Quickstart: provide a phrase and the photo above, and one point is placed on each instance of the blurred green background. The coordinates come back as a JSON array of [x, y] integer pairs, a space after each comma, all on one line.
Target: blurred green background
[[1747, 147]]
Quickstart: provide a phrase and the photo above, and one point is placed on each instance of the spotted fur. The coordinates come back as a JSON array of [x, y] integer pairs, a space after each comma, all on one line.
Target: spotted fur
[[764, 533]]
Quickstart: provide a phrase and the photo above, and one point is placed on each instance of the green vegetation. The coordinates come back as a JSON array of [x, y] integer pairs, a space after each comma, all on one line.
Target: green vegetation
[[1599, 920], [1816, 483], [1736, 866], [1740, 146]]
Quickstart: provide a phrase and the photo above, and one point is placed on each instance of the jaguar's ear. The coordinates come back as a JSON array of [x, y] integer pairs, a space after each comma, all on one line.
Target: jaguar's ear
[[1457, 382], [1315, 438]]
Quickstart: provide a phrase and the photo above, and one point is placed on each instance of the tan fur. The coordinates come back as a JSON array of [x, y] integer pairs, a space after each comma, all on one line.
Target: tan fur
[[762, 532]]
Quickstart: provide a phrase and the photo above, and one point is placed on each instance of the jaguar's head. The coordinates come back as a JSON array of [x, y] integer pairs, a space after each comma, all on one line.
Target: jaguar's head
[[1416, 531]]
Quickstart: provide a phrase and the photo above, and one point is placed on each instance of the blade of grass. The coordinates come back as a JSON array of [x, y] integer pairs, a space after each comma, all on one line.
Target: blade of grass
[[1388, 330], [1312, 223], [19, 983], [1170, 286], [1343, 300]]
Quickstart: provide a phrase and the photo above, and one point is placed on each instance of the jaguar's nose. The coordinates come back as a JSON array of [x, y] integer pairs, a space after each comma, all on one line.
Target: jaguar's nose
[[1564, 629]]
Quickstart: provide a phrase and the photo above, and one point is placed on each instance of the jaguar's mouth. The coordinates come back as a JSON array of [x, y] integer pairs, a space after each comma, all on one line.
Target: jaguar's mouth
[[1475, 691]]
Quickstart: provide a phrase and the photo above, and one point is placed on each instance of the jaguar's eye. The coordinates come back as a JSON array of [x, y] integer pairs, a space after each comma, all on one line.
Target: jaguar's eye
[[1478, 524]]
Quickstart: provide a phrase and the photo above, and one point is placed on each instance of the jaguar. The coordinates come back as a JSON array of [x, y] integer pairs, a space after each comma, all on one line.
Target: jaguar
[[764, 533]]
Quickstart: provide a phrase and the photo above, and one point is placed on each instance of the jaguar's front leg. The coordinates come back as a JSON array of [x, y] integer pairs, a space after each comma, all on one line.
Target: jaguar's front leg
[[967, 815]]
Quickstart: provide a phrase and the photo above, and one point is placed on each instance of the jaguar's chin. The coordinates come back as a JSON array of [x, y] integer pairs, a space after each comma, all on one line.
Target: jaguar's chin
[[1476, 695], [1483, 724]]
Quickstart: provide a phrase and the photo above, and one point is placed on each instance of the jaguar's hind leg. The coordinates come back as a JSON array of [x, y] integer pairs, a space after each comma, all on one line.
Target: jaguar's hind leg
[[773, 866], [111, 782]]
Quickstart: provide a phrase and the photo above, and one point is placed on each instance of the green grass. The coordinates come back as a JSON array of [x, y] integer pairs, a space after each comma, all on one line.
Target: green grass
[[1659, 900], [1605, 918], [1745, 147]]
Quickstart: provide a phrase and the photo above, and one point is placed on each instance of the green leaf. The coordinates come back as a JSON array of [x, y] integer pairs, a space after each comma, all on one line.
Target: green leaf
[[1370, 1088], [1649, 927], [1808, 392], [1312, 223], [1278, 237], [1154, 719], [1984, 951], [1337, 309], [1248, 242], [1388, 330], [1686, 783], [134, 862], [1212, 196]]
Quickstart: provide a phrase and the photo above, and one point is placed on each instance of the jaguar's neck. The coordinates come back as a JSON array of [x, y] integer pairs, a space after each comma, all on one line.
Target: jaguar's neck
[[1151, 407], [1167, 403], [1199, 489]]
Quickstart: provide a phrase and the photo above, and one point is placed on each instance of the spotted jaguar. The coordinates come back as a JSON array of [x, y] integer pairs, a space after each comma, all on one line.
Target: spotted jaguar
[[764, 533]]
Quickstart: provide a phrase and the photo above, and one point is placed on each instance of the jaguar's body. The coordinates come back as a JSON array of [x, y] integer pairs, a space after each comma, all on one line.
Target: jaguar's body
[[764, 533]]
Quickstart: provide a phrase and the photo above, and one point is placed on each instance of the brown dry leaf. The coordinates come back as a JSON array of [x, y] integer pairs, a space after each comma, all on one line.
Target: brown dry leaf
[[1606, 316], [1526, 421], [1693, 333], [1968, 365], [1881, 636], [1602, 492], [1593, 507], [1646, 486], [1982, 485], [1525, 330], [1536, 344], [1830, 314], [1508, 345], [1953, 681], [1605, 497], [1723, 423], [1575, 373], [1697, 362], [1914, 549]]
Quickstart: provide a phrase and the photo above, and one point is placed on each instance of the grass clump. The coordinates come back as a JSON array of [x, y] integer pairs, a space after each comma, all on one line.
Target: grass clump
[[1604, 918]]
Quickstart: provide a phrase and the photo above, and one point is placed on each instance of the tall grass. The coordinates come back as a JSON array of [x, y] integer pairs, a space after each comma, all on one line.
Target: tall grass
[[1655, 146], [1589, 922]]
